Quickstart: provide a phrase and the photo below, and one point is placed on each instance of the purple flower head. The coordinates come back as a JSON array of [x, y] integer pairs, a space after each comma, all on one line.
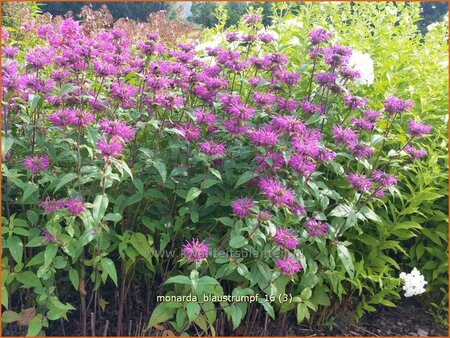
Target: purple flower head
[[40, 57], [252, 18], [302, 165], [288, 266], [205, 118], [312, 108], [10, 52], [344, 135], [48, 237], [395, 105], [74, 206], [235, 127], [415, 153], [255, 81], [285, 239], [290, 79], [360, 150], [63, 118], [276, 61], [212, 149], [264, 216], [232, 36], [271, 162], [319, 35], [359, 182], [242, 207], [354, 102], [337, 55], [264, 99], [189, 131], [288, 124], [288, 105], [276, 192], [265, 37], [195, 251], [115, 128], [383, 178], [5, 35], [297, 209], [248, 38], [70, 27], [325, 79], [36, 164], [315, 227], [45, 31], [349, 73], [379, 193], [83, 119], [263, 137], [113, 148], [418, 129], [50, 205]]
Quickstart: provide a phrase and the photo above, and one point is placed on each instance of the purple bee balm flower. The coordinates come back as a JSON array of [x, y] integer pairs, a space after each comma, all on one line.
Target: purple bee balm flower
[[264, 216], [115, 128], [372, 116], [205, 118], [189, 131], [315, 227], [288, 124], [384, 178], [195, 251], [325, 79], [360, 150], [354, 102], [290, 79], [349, 73], [63, 118], [232, 36], [212, 149], [40, 57], [83, 119], [414, 152], [288, 105], [379, 193], [319, 35], [10, 52], [418, 129], [235, 127], [285, 239], [302, 165], [50, 205], [363, 124], [36, 164], [252, 18], [264, 99], [242, 207], [113, 148], [5, 35], [312, 108], [265, 37], [276, 192], [337, 55], [254, 81], [48, 237], [344, 135], [74, 206], [263, 137], [288, 266], [272, 162], [298, 209], [395, 105], [359, 182]]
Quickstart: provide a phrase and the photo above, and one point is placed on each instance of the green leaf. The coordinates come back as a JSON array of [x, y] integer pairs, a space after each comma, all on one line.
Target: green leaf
[[49, 254], [4, 297], [161, 313], [140, 244], [10, 316], [209, 183], [370, 214], [108, 266], [16, 248], [100, 206], [306, 294], [237, 242], [29, 190], [193, 193], [28, 280], [7, 142], [161, 167], [193, 310], [178, 280], [267, 306], [67, 178], [245, 177], [74, 278], [216, 173], [67, 88], [346, 259], [34, 326]]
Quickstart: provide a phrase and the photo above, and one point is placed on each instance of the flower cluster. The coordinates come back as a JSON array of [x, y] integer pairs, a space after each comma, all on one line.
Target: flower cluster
[[414, 283]]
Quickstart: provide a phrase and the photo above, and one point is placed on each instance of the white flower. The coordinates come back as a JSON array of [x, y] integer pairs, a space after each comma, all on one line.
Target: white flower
[[389, 10], [363, 63], [414, 283], [432, 26], [292, 23]]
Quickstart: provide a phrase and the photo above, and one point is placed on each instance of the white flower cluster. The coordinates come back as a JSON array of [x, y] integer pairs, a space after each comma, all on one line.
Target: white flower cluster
[[432, 26], [414, 283], [363, 63]]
